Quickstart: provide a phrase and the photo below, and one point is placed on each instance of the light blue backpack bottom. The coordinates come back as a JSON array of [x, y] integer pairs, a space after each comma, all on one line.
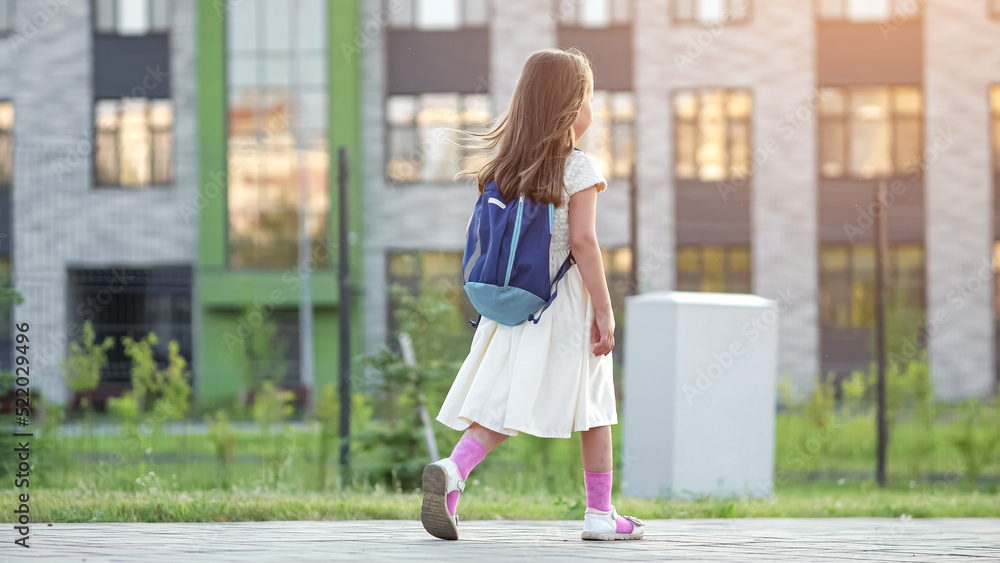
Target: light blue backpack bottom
[[506, 305]]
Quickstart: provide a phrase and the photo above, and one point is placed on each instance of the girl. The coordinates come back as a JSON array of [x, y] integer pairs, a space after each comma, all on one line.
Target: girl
[[552, 378]]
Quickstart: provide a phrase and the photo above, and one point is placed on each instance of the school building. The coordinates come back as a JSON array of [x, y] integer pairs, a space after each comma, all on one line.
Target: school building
[[152, 153], [757, 131]]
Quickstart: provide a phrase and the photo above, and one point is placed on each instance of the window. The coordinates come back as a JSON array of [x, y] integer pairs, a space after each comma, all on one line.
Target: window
[[437, 15], [6, 316], [6, 179], [421, 148], [277, 77], [593, 13], [609, 141], [132, 302], [870, 132], [847, 284], [692, 11], [869, 10], [131, 17], [711, 134], [715, 269], [134, 137], [618, 269], [6, 17], [430, 273], [995, 104], [6, 144]]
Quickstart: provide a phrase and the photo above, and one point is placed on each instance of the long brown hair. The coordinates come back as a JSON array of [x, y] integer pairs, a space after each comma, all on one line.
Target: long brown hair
[[535, 135]]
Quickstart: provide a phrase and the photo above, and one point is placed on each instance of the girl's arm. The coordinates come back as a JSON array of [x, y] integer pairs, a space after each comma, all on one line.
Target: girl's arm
[[583, 241]]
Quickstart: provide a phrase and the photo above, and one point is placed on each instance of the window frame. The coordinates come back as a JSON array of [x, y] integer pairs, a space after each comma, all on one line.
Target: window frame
[[893, 8], [728, 252], [95, 179], [845, 121], [11, 6], [675, 121], [388, 128], [562, 20], [9, 134], [748, 14], [150, 30], [613, 125], [296, 88], [992, 93], [393, 23], [849, 271]]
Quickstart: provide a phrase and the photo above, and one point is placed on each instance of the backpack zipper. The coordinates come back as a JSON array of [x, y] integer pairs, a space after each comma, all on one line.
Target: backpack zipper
[[517, 235]]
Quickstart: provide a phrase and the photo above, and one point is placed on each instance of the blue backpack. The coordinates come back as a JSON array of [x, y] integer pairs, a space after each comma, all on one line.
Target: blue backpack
[[506, 263]]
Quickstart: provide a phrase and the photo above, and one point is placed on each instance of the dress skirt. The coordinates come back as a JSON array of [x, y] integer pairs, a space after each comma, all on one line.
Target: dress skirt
[[541, 379]]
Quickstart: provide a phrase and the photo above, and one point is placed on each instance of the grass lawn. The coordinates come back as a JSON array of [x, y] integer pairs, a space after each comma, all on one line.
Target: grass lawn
[[486, 503]]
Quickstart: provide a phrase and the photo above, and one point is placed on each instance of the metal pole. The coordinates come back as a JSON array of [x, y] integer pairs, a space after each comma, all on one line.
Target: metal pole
[[305, 266], [344, 312], [881, 252], [633, 186]]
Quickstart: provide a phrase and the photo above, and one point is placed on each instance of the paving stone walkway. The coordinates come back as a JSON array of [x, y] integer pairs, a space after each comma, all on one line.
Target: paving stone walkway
[[764, 539]]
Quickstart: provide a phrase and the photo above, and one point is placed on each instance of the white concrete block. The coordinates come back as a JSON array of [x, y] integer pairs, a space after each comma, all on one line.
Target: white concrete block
[[699, 395]]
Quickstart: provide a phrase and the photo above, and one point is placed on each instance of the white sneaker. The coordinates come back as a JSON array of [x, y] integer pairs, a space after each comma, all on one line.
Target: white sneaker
[[440, 478], [599, 525]]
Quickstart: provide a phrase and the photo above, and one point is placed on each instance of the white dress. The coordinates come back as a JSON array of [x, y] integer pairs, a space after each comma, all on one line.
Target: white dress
[[541, 379]]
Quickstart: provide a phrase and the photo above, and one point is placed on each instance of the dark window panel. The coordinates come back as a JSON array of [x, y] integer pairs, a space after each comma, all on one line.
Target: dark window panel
[[889, 60], [427, 61], [132, 302], [132, 66], [609, 50]]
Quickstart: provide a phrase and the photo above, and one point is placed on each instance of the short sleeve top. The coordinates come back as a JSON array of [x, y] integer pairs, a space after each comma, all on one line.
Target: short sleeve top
[[580, 174]]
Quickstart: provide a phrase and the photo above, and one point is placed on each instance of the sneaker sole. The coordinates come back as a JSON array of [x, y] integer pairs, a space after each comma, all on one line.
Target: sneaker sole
[[607, 537], [434, 513]]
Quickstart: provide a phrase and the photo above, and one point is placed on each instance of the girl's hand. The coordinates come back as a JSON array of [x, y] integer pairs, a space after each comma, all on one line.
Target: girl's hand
[[603, 333]]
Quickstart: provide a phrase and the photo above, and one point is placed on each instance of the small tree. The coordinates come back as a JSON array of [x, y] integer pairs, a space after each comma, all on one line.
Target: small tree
[[271, 406], [327, 413], [82, 368], [157, 395], [426, 319]]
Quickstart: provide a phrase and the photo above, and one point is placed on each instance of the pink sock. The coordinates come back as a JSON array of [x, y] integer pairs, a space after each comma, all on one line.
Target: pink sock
[[599, 497], [467, 454]]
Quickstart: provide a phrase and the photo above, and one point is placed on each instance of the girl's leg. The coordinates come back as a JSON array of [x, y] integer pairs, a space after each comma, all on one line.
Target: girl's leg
[[595, 449], [469, 451], [488, 438]]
